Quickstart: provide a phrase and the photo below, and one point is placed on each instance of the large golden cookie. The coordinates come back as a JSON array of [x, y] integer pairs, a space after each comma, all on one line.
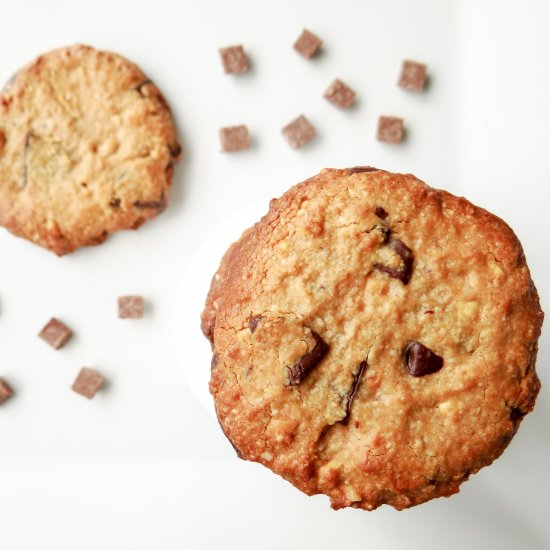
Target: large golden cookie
[[374, 339]]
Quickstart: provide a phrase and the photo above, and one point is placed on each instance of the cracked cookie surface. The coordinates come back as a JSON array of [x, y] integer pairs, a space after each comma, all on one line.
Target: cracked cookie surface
[[87, 147], [374, 339]]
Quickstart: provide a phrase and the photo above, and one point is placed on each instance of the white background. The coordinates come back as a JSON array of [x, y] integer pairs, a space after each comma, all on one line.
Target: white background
[[144, 465]]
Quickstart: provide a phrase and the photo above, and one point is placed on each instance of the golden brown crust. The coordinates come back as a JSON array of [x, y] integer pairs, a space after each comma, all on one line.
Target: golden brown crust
[[308, 270], [87, 147]]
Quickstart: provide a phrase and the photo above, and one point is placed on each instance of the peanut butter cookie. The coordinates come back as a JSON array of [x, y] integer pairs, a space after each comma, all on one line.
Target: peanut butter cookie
[[87, 147], [374, 339]]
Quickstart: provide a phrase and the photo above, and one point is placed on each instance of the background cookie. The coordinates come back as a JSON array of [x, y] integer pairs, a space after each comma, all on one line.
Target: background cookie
[[87, 147], [374, 339]]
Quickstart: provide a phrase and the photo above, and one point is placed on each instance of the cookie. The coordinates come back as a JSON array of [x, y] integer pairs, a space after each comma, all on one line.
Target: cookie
[[87, 147], [374, 339]]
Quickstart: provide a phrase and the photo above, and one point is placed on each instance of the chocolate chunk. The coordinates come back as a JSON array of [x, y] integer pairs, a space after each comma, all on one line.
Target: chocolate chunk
[[405, 253], [234, 138], [115, 202], [394, 272], [5, 391], [354, 388], [380, 212], [130, 307], [87, 382], [299, 132], [307, 44], [413, 76], [390, 129], [360, 169], [421, 361], [297, 373], [175, 150], [516, 414], [402, 273], [234, 60], [339, 94], [159, 204], [2, 141], [55, 333], [253, 322]]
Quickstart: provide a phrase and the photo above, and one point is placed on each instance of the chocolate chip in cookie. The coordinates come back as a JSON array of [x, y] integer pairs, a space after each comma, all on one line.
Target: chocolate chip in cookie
[[380, 212], [357, 376], [253, 323], [297, 372], [421, 361], [403, 273]]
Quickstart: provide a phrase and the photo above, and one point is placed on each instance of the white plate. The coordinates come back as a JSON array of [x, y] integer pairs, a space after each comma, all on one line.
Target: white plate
[[192, 348]]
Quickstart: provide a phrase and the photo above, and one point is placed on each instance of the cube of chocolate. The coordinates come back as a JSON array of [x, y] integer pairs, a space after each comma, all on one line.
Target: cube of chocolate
[[299, 132], [413, 76], [308, 44], [234, 60], [5, 391], [339, 94], [390, 129], [130, 307], [55, 333], [87, 382], [234, 138]]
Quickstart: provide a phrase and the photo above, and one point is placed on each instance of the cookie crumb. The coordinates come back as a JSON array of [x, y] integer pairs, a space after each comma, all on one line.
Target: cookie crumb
[[130, 307], [307, 44], [390, 129], [234, 138], [55, 333], [88, 382], [413, 76], [5, 391], [299, 132], [234, 60], [340, 94]]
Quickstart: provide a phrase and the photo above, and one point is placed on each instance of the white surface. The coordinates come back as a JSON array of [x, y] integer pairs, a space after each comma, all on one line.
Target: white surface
[[144, 465]]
